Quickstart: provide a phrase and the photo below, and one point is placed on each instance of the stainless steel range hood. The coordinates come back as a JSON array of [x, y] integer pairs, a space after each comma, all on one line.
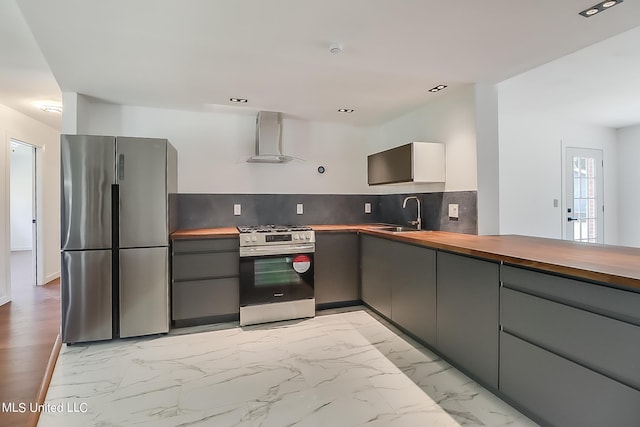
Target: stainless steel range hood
[[269, 139]]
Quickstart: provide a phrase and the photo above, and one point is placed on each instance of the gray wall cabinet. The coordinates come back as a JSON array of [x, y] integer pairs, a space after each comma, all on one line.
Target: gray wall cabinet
[[336, 268], [399, 281], [205, 280], [467, 314]]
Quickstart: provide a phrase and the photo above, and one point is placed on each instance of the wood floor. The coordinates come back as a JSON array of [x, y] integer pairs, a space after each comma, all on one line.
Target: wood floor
[[29, 325]]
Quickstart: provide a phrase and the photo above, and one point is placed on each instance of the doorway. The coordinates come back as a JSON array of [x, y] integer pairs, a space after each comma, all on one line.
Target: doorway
[[584, 206], [23, 233]]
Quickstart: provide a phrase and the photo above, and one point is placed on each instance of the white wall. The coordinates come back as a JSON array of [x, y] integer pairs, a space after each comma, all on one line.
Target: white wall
[[450, 119], [213, 148], [488, 156], [628, 179], [18, 126], [531, 169], [21, 199]]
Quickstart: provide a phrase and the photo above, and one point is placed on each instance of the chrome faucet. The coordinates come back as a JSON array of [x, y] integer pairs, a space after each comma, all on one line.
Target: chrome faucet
[[418, 221]]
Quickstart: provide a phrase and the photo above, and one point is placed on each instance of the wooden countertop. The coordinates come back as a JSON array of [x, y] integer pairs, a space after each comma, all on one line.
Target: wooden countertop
[[616, 265], [204, 233]]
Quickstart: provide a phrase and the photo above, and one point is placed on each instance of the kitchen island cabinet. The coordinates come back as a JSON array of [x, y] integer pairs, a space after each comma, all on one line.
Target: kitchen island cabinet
[[570, 341], [467, 314], [336, 269]]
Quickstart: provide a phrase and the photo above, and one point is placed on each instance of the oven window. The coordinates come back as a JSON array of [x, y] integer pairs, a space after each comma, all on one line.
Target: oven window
[[275, 271]]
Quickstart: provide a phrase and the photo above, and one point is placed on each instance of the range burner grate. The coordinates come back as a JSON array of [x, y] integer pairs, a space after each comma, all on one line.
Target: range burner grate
[[271, 228]]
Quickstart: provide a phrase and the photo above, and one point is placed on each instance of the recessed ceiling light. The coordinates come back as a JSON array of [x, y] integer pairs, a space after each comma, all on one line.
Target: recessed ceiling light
[[345, 110], [241, 100], [599, 7], [50, 106], [437, 88]]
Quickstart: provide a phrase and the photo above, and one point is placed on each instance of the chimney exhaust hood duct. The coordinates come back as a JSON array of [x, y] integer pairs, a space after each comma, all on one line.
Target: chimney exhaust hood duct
[[269, 139]]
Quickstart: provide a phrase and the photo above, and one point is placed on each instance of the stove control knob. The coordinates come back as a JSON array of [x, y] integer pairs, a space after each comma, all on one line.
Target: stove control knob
[[304, 236], [254, 239], [247, 239], [296, 237]]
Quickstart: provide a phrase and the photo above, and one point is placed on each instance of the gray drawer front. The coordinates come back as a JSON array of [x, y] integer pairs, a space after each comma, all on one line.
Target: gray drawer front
[[612, 302], [600, 343], [204, 298], [204, 245], [205, 265], [561, 392]]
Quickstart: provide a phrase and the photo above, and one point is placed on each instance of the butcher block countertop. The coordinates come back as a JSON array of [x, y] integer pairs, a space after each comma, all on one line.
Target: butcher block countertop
[[616, 265]]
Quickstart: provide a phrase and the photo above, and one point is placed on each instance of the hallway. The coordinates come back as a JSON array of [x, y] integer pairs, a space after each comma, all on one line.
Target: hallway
[[29, 326]]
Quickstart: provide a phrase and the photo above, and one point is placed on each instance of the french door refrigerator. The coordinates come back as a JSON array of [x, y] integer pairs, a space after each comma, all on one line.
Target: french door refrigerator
[[115, 236]]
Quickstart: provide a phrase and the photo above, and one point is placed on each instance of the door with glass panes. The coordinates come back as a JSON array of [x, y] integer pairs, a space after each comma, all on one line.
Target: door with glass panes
[[584, 206]]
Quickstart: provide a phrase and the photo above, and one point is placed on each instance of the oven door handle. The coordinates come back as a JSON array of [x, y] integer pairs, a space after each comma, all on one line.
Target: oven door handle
[[278, 250]]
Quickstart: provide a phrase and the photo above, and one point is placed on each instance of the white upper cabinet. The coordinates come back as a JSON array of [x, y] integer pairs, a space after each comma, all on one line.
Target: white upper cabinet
[[413, 162]]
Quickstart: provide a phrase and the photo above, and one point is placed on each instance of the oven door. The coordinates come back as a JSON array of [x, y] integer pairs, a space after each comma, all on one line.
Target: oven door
[[276, 278]]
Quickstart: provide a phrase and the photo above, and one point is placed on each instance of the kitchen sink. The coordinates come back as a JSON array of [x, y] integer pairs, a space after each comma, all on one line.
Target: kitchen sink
[[398, 229]]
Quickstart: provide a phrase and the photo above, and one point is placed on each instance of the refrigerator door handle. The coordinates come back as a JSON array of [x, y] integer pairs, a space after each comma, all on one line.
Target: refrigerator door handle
[[121, 167]]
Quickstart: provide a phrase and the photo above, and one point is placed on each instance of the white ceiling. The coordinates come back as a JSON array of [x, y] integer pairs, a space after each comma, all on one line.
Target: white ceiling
[[196, 54], [598, 85]]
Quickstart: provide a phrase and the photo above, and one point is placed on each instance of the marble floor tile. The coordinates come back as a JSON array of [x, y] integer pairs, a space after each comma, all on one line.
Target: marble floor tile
[[345, 367]]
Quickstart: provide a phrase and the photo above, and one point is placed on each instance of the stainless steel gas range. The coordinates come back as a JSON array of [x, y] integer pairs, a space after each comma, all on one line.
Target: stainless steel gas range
[[276, 273]]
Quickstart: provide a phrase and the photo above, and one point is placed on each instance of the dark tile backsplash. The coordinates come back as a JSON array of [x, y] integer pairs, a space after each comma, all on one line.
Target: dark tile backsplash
[[216, 210]]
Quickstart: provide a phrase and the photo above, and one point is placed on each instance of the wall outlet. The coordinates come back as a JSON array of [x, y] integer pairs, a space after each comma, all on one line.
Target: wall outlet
[[367, 208], [453, 210], [237, 209], [299, 209]]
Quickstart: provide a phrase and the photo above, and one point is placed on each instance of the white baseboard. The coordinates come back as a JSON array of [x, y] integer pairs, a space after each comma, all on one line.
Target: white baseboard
[[50, 277], [4, 300]]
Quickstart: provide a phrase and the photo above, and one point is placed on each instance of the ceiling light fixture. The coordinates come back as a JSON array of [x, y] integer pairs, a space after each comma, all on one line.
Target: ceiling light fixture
[[345, 110], [437, 88], [241, 100], [587, 13], [50, 106]]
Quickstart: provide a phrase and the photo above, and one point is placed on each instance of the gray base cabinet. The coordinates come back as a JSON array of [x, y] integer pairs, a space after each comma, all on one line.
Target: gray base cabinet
[[467, 314], [413, 295], [378, 273], [205, 279], [562, 393], [399, 281], [570, 350], [336, 268]]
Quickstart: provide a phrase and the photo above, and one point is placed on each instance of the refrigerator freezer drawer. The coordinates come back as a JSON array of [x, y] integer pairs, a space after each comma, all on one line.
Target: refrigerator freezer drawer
[[144, 291], [86, 293]]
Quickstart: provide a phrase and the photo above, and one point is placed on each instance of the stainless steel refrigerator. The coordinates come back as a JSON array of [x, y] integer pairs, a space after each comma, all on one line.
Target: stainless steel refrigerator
[[115, 236]]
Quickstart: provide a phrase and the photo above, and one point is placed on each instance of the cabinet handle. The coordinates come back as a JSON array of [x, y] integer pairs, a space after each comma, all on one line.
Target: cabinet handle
[[121, 167]]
